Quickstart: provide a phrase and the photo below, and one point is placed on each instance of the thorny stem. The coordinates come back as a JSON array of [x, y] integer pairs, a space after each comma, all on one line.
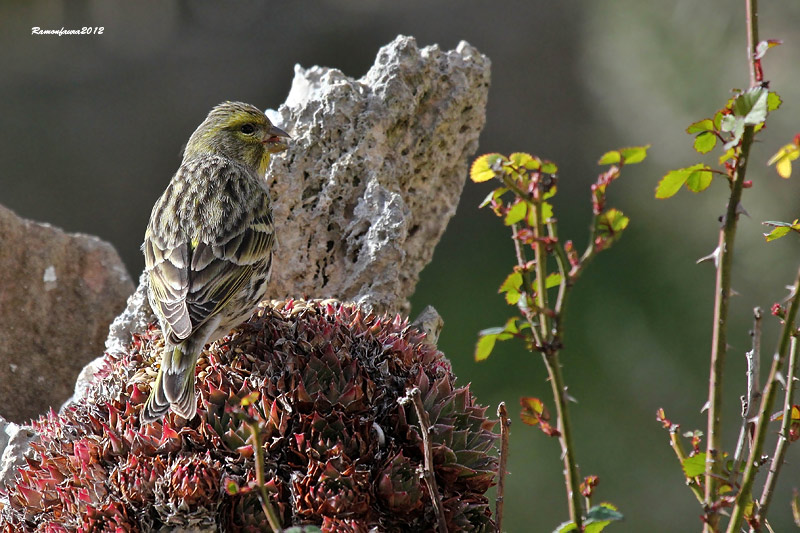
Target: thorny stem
[[415, 396], [550, 356], [753, 393], [266, 505], [502, 413], [783, 436], [540, 260], [526, 279], [722, 294], [767, 402], [752, 38], [565, 439]]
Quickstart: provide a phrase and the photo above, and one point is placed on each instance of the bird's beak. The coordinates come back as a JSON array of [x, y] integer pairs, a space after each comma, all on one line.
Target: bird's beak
[[276, 140]]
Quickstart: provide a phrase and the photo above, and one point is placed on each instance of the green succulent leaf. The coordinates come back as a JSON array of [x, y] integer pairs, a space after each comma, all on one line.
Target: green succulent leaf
[[695, 465], [516, 213], [705, 142], [699, 174], [701, 126]]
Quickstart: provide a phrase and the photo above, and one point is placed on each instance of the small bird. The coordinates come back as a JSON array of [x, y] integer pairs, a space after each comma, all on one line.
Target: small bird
[[208, 246]]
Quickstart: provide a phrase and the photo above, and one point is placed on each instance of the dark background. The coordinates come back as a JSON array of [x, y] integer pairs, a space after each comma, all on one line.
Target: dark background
[[91, 129]]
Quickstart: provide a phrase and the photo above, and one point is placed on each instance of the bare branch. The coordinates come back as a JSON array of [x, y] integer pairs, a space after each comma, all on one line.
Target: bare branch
[[505, 423], [415, 397]]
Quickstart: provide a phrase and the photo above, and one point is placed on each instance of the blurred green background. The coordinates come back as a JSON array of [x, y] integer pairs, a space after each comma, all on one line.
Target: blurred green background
[[91, 130]]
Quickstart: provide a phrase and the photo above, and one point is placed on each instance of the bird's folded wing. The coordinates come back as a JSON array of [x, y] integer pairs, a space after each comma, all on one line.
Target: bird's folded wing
[[190, 294]]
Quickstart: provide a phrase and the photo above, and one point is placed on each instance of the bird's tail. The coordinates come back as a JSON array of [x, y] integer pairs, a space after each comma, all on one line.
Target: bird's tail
[[174, 386]]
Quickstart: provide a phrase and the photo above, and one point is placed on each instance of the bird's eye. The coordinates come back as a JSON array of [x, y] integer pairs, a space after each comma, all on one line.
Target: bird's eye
[[248, 129]]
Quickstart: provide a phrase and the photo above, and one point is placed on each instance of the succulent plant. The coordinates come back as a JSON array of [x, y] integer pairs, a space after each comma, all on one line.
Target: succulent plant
[[314, 383]]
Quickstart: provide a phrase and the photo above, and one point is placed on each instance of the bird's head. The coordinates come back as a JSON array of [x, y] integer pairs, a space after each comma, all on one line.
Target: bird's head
[[239, 131]]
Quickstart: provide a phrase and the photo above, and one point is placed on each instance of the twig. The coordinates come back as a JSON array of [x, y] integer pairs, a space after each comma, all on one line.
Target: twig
[[753, 392], [266, 506], [675, 443], [550, 356], [765, 409], [722, 293], [540, 260], [415, 397], [563, 268], [502, 412], [783, 436], [565, 439], [526, 280]]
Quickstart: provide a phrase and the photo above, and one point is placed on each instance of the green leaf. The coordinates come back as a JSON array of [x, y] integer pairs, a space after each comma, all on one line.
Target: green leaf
[[553, 280], [494, 195], [604, 511], [600, 516], [730, 154], [671, 183], [485, 345], [625, 156], [718, 120], [700, 126], [516, 213], [781, 229], [610, 158], [699, 180], [634, 154], [303, 529], [777, 233], [566, 527], [488, 337], [695, 465], [483, 169], [774, 101], [752, 106], [547, 211], [610, 224], [548, 167], [705, 142], [523, 160], [511, 287]]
